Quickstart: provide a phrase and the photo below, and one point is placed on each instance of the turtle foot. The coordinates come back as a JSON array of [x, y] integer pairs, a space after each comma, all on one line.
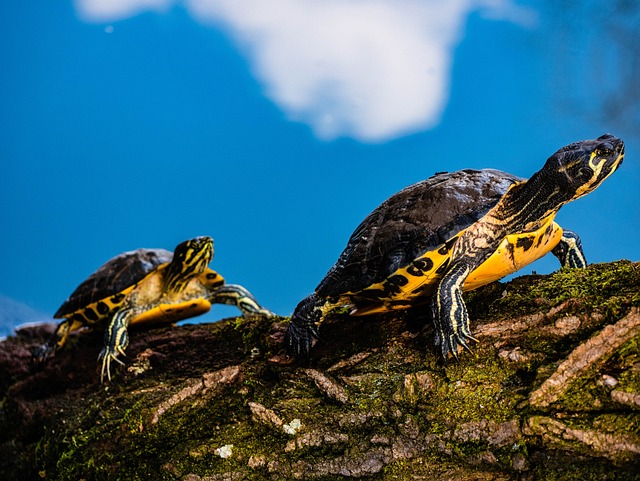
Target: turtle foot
[[299, 339], [450, 316], [302, 333], [42, 354], [236, 295], [116, 340]]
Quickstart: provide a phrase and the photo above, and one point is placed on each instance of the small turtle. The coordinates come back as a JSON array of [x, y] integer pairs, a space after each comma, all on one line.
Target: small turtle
[[146, 286], [455, 232]]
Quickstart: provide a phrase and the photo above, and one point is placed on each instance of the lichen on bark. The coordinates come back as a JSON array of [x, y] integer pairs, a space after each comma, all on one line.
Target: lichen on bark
[[550, 392]]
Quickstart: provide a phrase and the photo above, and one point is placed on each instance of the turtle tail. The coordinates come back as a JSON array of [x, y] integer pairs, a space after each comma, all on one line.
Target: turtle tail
[[302, 330]]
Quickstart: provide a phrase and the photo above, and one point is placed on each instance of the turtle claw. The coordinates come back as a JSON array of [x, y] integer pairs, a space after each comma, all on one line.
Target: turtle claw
[[302, 332], [106, 362], [456, 342], [42, 354], [300, 339], [466, 346]]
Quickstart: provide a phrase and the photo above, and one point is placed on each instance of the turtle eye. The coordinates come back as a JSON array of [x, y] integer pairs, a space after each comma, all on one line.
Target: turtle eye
[[605, 149], [604, 152]]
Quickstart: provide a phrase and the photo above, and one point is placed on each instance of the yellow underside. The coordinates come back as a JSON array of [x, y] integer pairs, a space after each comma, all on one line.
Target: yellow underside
[[169, 313], [503, 262], [413, 281]]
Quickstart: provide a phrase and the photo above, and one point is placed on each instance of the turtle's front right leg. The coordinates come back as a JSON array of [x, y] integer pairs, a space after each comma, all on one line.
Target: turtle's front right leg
[[449, 312], [116, 340]]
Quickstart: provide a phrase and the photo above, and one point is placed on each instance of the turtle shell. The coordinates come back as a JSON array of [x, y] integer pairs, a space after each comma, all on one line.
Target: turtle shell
[[414, 221], [116, 275]]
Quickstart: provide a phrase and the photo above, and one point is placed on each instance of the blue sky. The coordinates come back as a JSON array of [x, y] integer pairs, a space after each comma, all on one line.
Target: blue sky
[[276, 127]]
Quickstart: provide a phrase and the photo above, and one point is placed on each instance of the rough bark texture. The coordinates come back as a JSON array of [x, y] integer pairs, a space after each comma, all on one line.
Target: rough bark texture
[[551, 392]]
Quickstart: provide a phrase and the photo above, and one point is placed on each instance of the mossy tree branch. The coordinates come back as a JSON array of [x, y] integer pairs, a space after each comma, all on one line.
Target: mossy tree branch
[[552, 391]]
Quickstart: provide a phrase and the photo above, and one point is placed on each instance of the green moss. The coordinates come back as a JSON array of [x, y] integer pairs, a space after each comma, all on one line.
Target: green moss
[[558, 466], [629, 381], [607, 288]]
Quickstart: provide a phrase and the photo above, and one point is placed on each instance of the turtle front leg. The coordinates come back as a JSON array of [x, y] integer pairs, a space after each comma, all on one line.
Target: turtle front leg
[[236, 295], [569, 251], [449, 312], [116, 340]]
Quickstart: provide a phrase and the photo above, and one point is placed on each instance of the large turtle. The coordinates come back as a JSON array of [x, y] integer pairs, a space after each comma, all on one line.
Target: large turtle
[[455, 232], [146, 286]]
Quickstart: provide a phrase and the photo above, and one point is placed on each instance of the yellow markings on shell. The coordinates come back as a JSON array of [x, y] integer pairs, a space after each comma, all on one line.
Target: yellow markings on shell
[[427, 265], [514, 252], [98, 311], [434, 258], [173, 312]]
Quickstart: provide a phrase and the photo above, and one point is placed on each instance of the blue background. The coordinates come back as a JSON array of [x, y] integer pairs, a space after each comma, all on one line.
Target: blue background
[[158, 131]]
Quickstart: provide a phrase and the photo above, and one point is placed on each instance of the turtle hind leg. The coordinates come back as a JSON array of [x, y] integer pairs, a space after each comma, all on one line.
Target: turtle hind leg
[[57, 340], [302, 331], [449, 312], [236, 295], [569, 251], [116, 340]]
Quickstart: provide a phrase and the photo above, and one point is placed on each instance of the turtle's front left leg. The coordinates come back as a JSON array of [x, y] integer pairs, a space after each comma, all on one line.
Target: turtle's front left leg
[[116, 340], [569, 251], [236, 295], [449, 312]]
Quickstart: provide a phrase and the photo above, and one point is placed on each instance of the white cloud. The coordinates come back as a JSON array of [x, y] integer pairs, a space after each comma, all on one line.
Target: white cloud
[[367, 69], [112, 10]]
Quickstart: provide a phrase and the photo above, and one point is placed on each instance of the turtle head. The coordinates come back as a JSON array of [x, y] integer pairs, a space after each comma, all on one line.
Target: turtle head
[[580, 167], [190, 258]]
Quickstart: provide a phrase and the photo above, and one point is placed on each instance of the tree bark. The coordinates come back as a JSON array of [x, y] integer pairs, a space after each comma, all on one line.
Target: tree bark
[[550, 391]]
